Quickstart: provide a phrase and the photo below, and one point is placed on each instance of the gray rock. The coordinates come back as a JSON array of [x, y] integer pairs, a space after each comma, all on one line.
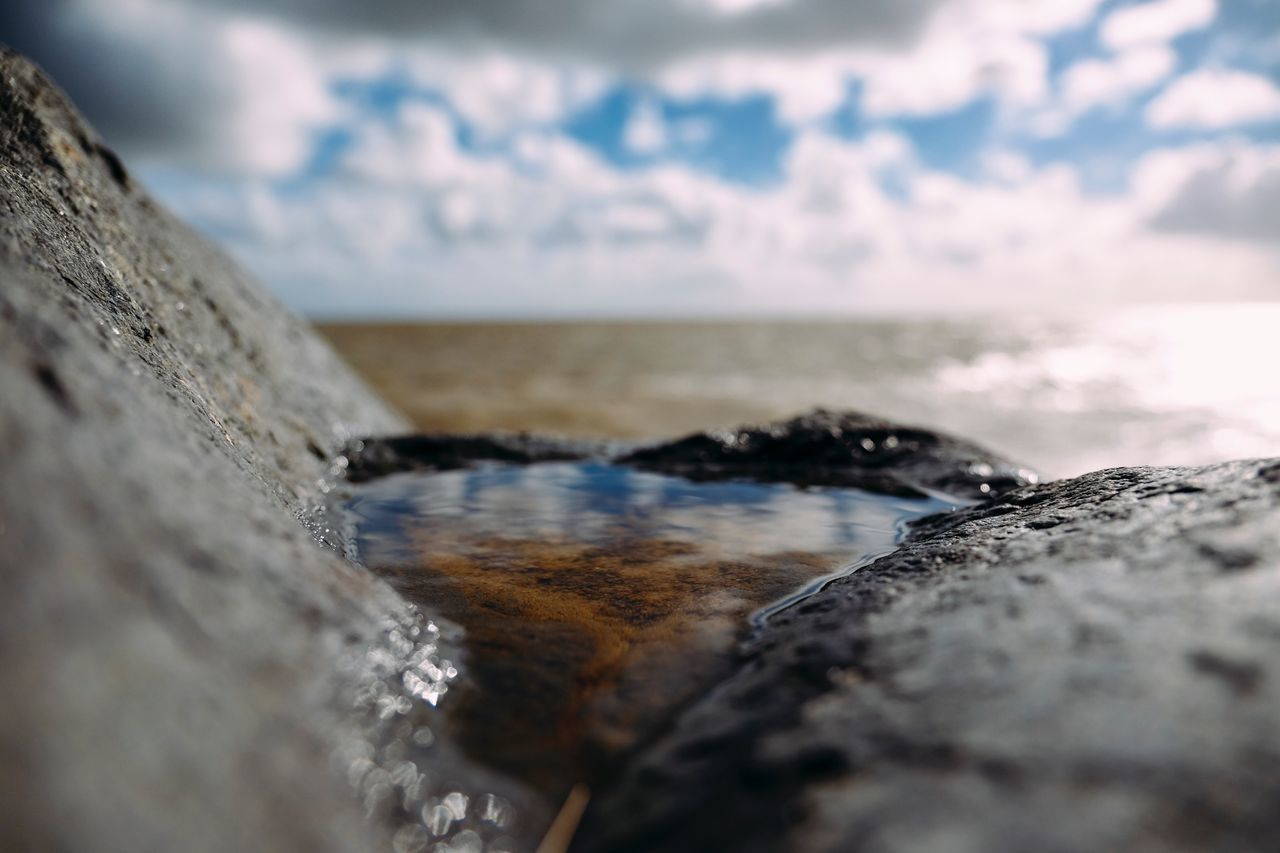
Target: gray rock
[[1082, 665], [169, 630]]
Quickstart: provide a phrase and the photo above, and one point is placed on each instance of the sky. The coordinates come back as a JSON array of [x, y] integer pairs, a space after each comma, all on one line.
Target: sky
[[591, 158]]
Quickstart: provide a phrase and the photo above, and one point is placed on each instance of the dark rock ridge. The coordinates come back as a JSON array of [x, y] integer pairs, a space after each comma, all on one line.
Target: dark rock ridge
[[168, 628], [1091, 664], [839, 449], [821, 448], [372, 457]]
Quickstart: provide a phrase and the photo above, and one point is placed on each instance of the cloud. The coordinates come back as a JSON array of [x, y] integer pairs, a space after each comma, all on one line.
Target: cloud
[[188, 80], [178, 86], [495, 92], [449, 184], [646, 130], [1156, 22], [1215, 98], [1229, 190], [623, 33], [964, 50], [414, 221], [1111, 82], [1108, 81]]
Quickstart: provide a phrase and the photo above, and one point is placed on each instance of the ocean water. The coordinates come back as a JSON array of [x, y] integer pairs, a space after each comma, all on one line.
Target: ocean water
[[1063, 395]]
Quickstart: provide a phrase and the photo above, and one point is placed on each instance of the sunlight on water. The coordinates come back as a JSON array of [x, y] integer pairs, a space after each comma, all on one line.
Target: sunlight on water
[[1065, 395]]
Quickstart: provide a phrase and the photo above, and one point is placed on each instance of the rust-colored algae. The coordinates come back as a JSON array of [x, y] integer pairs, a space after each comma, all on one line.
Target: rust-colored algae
[[597, 600], [578, 649]]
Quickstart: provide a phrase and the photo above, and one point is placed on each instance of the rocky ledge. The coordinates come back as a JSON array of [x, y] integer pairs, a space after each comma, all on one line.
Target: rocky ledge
[[1089, 664], [821, 448], [1075, 665], [170, 627]]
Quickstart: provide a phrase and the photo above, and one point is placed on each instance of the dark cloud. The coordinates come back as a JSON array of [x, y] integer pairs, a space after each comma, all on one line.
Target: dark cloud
[[156, 82], [625, 32], [146, 92], [1214, 202]]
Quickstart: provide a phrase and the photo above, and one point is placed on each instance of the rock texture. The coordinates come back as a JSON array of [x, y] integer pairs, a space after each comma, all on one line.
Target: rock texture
[[1083, 665], [168, 627], [825, 448], [820, 448]]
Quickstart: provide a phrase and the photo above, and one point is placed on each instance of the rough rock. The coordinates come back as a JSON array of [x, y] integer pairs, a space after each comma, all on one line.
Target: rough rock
[[376, 456], [169, 627], [820, 448], [1082, 665], [825, 448]]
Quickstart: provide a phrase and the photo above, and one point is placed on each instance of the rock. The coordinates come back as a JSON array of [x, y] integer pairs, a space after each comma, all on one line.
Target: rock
[[821, 448], [170, 629], [375, 456], [1081, 665], [839, 449]]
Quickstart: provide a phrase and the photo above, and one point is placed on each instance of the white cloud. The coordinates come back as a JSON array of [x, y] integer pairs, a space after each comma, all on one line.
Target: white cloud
[[951, 71], [1094, 83], [646, 130], [855, 225], [188, 80], [1138, 36], [969, 49], [1007, 167], [805, 88], [280, 98], [1215, 98], [1156, 22], [1108, 81], [499, 92]]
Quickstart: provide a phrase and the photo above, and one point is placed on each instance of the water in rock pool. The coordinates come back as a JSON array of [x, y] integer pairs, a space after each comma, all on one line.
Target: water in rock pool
[[596, 599]]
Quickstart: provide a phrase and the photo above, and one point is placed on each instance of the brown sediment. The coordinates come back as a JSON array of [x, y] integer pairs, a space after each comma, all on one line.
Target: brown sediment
[[579, 650]]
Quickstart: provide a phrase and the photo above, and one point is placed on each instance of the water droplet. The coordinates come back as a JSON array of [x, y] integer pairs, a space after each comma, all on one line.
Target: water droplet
[[378, 798], [456, 803], [467, 841], [494, 810], [437, 818], [410, 839], [867, 445]]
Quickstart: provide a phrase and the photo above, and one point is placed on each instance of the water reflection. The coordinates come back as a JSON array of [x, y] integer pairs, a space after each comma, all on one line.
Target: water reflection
[[595, 503], [596, 599]]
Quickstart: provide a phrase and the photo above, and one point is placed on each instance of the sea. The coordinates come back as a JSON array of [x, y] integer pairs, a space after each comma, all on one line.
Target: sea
[[1062, 394]]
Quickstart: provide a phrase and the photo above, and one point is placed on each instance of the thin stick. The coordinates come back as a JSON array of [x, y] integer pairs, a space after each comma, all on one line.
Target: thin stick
[[565, 825]]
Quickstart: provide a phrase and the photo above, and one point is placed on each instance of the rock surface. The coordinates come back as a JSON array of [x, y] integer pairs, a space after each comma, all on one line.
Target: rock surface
[[820, 448], [825, 448], [1082, 665], [169, 628]]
